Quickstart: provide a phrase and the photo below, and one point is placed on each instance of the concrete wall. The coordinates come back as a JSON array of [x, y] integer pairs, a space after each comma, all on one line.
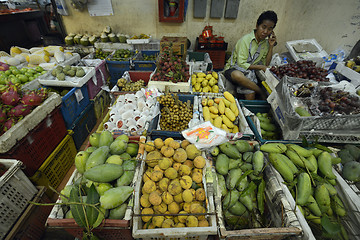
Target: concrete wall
[[333, 23]]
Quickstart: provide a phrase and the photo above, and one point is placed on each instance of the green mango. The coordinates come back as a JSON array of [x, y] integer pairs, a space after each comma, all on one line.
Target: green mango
[[230, 199], [123, 137], [351, 171], [94, 139], [125, 156], [115, 197], [104, 173], [242, 185], [247, 201], [222, 184], [115, 159], [98, 157], [106, 138], [125, 179], [132, 149], [313, 206], [118, 147], [243, 146], [222, 164], [129, 165], [118, 212], [345, 156], [90, 149], [80, 161], [354, 151], [238, 208], [101, 188], [247, 157], [246, 167], [230, 150], [233, 178], [234, 163]]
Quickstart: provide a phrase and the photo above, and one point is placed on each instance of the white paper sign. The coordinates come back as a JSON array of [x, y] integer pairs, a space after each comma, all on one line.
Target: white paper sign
[[100, 8], [79, 96]]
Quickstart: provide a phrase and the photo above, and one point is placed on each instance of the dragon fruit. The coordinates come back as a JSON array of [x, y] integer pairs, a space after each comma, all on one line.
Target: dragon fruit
[[20, 110], [43, 93], [9, 123], [32, 98], [10, 96]]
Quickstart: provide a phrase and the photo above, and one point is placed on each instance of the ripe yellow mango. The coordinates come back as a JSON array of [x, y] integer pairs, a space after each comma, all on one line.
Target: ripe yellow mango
[[221, 107], [229, 96], [230, 114]]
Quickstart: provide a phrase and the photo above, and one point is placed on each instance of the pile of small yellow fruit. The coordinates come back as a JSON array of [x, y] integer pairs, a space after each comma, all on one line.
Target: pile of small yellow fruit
[[172, 185], [222, 112], [202, 82]]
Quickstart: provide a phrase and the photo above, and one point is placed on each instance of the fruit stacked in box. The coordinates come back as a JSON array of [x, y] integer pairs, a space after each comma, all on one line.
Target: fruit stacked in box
[[175, 114], [107, 168], [15, 75], [301, 69], [170, 67], [309, 177], [240, 184], [202, 82], [121, 55], [172, 184], [268, 126], [222, 112], [16, 104]]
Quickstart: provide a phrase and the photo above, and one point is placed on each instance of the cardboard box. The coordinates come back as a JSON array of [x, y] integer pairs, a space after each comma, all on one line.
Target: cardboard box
[[179, 45]]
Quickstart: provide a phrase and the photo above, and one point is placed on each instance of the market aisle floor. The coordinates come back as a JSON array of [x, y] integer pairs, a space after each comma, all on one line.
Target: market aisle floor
[[60, 234]]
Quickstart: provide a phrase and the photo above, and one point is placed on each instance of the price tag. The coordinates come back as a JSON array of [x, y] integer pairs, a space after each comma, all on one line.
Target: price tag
[[79, 96]]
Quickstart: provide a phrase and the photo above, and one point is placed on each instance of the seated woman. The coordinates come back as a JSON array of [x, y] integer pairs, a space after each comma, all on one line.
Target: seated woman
[[252, 52]]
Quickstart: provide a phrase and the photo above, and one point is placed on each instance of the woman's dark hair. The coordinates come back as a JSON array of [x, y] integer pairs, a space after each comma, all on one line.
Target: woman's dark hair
[[268, 15]]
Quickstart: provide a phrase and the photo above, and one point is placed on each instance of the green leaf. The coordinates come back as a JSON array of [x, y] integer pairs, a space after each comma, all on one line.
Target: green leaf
[[77, 211], [251, 188], [321, 147], [92, 198], [330, 227], [304, 142]]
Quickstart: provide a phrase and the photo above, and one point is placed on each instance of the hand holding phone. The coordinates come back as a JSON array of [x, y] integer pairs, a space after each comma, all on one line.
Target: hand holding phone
[[272, 39]]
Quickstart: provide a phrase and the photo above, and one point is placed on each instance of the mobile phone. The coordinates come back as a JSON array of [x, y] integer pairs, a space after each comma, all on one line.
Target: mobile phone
[[270, 37]]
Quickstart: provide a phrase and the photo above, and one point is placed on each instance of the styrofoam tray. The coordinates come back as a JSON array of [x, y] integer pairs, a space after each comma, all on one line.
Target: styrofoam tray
[[173, 87], [29, 122], [353, 76], [307, 55], [49, 80]]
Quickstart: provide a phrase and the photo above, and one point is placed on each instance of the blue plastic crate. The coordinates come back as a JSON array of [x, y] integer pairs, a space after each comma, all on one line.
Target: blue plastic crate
[[142, 65], [83, 125], [71, 108], [154, 133], [261, 106]]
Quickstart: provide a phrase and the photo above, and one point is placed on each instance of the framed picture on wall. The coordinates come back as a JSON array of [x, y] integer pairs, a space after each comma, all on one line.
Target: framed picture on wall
[[171, 10]]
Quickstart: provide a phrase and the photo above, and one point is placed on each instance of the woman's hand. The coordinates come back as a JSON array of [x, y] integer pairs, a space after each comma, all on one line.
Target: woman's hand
[[272, 39]]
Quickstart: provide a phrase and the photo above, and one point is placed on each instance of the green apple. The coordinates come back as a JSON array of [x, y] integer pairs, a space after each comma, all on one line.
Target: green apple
[[31, 78], [28, 74], [32, 71], [23, 70], [39, 69], [15, 80], [36, 75], [2, 81], [12, 68], [8, 72], [15, 71], [23, 78], [43, 72]]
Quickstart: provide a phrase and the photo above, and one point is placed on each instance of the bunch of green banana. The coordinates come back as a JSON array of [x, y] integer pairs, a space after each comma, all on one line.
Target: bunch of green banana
[[309, 177], [269, 131], [239, 168]]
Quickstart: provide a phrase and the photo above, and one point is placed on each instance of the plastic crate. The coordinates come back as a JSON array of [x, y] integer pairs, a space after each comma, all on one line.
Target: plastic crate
[[131, 76], [183, 87], [217, 57], [99, 79], [117, 68], [284, 222], [154, 127], [38, 144], [210, 46], [56, 166], [198, 233], [141, 65], [101, 103], [83, 125], [73, 103], [261, 106], [110, 229], [15, 192], [154, 45], [31, 224]]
